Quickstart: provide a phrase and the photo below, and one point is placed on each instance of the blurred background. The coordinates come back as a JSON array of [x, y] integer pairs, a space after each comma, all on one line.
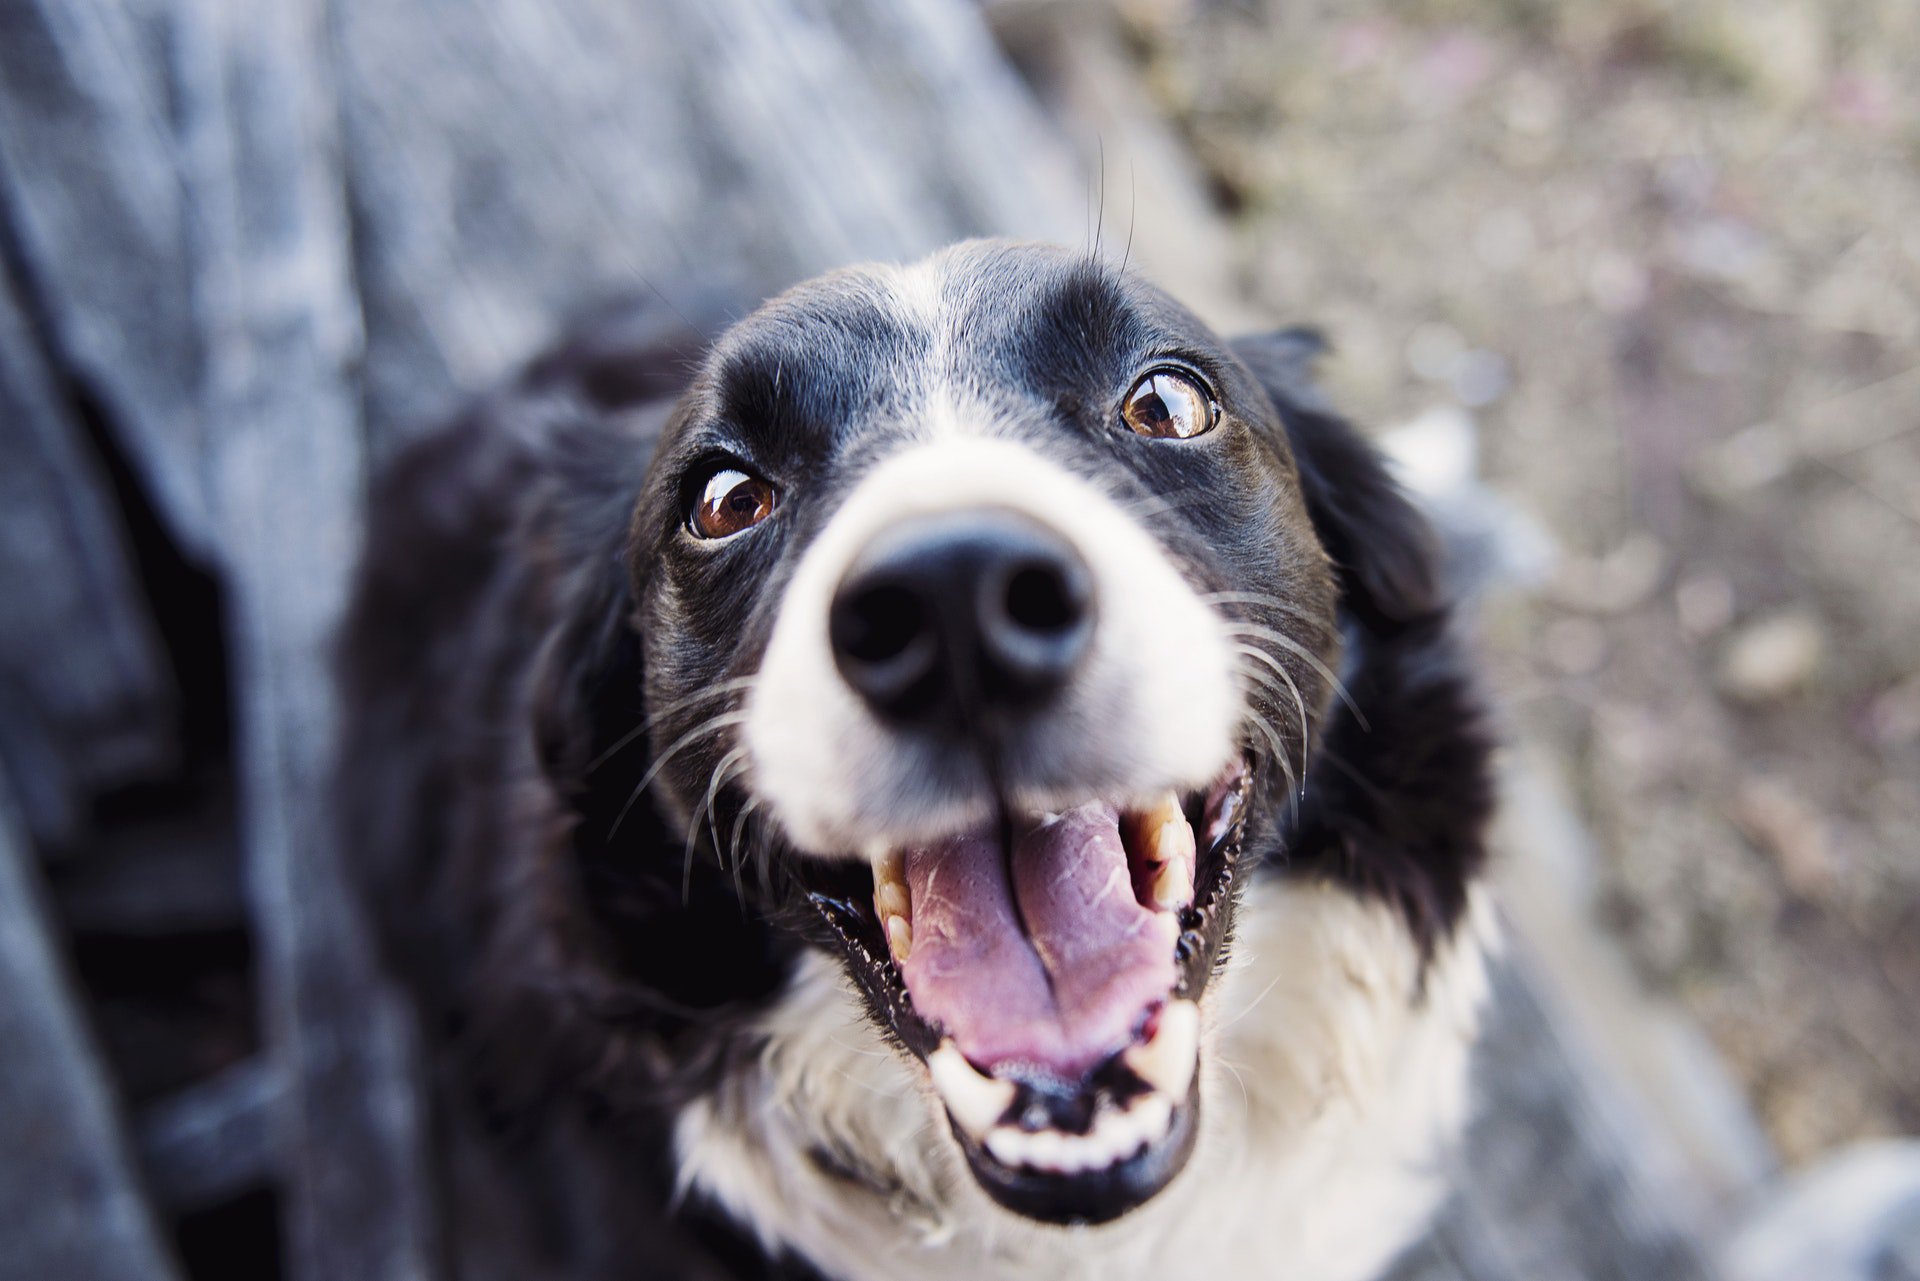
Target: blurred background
[[1630, 293], [1666, 258]]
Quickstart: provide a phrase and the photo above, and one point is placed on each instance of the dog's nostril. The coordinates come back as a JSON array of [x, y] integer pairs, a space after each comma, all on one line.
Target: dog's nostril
[[950, 613], [879, 624], [1043, 598]]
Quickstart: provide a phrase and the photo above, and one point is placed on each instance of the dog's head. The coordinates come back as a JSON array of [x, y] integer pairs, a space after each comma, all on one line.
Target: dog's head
[[988, 624]]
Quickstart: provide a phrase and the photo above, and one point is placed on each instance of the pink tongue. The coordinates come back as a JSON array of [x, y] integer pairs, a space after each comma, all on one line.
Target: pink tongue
[[1072, 988]]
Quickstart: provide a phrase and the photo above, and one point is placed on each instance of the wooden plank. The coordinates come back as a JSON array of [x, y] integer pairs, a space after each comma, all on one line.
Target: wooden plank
[[1553, 1180], [85, 694], [73, 1207], [214, 1140], [287, 465], [98, 219], [156, 877], [514, 160]]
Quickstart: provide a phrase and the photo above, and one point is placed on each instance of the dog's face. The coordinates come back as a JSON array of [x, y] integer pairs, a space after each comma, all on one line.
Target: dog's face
[[985, 625]]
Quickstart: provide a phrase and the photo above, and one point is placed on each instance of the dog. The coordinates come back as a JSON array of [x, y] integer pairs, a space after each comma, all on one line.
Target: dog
[[966, 775]]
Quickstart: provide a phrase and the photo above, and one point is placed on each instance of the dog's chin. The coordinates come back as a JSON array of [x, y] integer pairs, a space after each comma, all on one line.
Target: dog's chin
[[1046, 971]]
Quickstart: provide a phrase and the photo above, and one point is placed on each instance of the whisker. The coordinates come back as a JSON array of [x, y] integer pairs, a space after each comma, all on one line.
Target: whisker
[[679, 704], [1280, 670], [1161, 504], [722, 771], [1262, 599], [710, 726], [1296, 783], [1281, 755], [1292, 646], [1252, 1005], [733, 845]]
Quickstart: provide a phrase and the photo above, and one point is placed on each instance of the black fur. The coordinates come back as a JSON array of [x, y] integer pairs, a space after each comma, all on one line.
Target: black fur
[[578, 978]]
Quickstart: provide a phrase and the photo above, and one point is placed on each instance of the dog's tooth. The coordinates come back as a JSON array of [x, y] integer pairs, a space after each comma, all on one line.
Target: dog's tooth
[[975, 1099], [1007, 1145], [1172, 886], [1173, 835], [1152, 1116], [891, 900], [889, 867], [899, 937], [1167, 1061]]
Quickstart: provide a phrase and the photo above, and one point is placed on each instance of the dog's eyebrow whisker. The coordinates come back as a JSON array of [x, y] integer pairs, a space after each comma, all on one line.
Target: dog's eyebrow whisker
[[678, 705], [1292, 646], [712, 725]]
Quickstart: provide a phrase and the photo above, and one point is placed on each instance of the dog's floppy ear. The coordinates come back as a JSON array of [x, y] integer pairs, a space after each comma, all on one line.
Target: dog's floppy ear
[[1380, 545]]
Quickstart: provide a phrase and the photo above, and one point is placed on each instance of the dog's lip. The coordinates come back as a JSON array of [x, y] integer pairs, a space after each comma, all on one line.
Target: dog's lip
[[1114, 1139]]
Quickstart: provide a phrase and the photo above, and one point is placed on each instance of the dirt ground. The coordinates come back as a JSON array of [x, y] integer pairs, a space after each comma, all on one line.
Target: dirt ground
[[1668, 257]]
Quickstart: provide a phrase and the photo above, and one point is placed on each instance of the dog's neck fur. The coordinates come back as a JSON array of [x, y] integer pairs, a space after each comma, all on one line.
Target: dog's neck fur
[[1339, 1079]]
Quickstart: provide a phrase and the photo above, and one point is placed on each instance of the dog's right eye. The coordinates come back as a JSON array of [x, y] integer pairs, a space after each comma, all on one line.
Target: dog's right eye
[[1169, 404], [731, 502]]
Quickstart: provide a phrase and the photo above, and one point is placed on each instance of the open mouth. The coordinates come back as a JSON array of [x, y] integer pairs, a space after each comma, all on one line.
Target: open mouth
[[1048, 970]]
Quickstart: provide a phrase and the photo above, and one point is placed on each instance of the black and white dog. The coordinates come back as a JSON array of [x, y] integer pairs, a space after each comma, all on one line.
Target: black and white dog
[[972, 780]]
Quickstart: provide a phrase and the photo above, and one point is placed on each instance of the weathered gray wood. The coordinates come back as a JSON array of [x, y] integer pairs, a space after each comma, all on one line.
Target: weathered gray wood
[[214, 1140], [98, 218], [74, 1209], [171, 183], [85, 697], [1552, 1181], [514, 159], [162, 877], [287, 468]]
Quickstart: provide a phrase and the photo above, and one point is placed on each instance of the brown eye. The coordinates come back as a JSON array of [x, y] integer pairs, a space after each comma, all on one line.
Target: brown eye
[[731, 502], [1169, 404]]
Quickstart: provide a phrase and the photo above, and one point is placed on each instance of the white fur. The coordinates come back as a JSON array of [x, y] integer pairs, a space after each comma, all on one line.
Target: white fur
[[1331, 1086], [1155, 706]]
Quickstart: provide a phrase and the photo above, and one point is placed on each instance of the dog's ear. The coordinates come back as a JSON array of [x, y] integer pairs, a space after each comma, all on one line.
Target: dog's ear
[[1380, 544]]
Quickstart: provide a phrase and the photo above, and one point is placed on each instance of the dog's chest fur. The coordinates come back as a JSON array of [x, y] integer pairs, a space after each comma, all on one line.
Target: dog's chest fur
[[1340, 1081]]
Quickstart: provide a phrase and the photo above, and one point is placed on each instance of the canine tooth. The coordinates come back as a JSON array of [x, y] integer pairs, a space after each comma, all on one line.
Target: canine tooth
[[975, 1099], [899, 937], [1153, 1117], [1173, 837], [1167, 1061], [891, 900], [889, 868], [1170, 886]]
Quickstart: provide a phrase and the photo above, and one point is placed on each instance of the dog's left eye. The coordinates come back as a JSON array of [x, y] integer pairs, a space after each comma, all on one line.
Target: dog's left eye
[[1169, 404], [731, 502]]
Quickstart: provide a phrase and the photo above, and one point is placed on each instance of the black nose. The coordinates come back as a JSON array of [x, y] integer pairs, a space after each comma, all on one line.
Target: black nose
[[983, 610]]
